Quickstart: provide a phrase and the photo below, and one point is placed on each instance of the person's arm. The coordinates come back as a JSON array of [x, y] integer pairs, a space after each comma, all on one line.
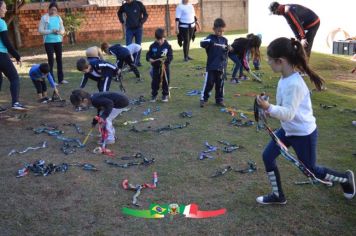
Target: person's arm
[[197, 23], [206, 42], [5, 40], [61, 27], [120, 14], [106, 105], [43, 25], [148, 54], [144, 13], [84, 81], [169, 55], [295, 23], [51, 81], [178, 16], [245, 63], [291, 103]]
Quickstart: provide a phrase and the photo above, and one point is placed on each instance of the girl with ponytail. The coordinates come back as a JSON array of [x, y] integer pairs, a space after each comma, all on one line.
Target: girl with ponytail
[[294, 110]]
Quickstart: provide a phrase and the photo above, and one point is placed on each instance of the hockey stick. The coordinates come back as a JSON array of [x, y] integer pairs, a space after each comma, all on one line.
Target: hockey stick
[[255, 77], [119, 79], [283, 148]]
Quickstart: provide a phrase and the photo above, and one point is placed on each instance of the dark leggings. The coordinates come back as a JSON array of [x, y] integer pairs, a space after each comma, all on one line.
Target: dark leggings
[[130, 62], [187, 34], [40, 85], [56, 48], [9, 70]]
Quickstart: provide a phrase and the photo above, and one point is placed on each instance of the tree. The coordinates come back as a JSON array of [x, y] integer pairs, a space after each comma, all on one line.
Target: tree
[[14, 7], [72, 22]]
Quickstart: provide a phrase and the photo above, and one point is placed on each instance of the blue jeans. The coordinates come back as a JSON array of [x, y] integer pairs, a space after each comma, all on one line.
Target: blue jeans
[[137, 33], [237, 66], [304, 147]]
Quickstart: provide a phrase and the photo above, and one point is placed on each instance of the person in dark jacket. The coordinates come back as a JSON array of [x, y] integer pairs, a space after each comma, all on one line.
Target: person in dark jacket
[[216, 47], [241, 48], [136, 16], [6, 65], [160, 55], [109, 105], [97, 70], [122, 55], [303, 21]]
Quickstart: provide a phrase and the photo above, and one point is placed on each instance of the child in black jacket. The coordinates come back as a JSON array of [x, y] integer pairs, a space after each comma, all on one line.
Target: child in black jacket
[[122, 55], [109, 106], [239, 54], [160, 56], [216, 47], [97, 70]]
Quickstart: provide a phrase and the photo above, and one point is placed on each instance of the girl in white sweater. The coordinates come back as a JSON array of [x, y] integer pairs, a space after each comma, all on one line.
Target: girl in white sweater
[[294, 110]]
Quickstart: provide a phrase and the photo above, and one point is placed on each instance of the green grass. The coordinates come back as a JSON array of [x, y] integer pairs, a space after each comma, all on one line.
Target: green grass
[[87, 203]]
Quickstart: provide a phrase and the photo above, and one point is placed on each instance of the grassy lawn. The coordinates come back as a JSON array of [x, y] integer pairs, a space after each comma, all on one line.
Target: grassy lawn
[[80, 202]]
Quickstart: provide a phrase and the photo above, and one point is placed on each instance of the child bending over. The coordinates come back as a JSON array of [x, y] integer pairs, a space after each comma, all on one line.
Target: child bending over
[[109, 105]]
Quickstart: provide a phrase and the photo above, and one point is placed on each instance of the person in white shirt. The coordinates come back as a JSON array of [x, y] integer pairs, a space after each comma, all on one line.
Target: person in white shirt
[[186, 23], [294, 110]]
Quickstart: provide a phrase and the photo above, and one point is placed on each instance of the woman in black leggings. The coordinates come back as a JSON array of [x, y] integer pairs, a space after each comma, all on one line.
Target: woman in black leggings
[[186, 23], [6, 65], [52, 29]]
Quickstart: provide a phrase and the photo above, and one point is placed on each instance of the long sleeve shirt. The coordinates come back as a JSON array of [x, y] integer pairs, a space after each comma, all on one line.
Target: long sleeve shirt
[[106, 101], [294, 107], [47, 25], [136, 14], [99, 69], [216, 49], [5, 45], [300, 19], [241, 48], [36, 74], [119, 52], [157, 51]]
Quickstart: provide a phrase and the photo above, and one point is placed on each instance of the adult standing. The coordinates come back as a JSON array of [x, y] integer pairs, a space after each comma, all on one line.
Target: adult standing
[[186, 23], [52, 29], [303, 21], [135, 17], [6, 65]]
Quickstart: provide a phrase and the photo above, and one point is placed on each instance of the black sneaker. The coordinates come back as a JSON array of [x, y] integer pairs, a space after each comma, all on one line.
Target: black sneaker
[[220, 104], [271, 199], [18, 106], [349, 186], [189, 58], [202, 102]]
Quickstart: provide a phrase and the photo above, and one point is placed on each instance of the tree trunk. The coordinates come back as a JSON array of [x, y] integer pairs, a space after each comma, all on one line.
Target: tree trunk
[[168, 20], [17, 34]]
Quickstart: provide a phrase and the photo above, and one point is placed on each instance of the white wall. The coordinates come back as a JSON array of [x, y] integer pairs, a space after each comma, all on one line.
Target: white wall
[[333, 14]]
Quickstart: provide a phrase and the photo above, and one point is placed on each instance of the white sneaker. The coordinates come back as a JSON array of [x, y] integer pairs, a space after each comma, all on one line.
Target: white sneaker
[[64, 82]]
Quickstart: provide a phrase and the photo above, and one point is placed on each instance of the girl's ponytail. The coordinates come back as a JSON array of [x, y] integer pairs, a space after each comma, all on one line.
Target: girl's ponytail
[[299, 59]]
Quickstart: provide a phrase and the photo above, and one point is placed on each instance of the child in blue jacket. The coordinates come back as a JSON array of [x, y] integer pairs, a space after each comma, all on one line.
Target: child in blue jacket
[[217, 48], [38, 73]]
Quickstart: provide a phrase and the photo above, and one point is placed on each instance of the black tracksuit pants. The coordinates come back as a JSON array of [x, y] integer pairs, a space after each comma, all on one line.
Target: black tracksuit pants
[[158, 78], [213, 77]]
